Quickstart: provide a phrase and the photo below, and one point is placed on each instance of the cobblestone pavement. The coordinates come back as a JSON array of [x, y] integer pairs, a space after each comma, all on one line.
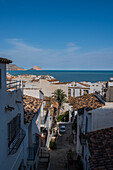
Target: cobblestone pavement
[[58, 156]]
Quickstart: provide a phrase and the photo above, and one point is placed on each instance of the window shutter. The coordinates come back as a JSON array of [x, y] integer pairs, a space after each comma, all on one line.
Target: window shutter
[[13, 128]]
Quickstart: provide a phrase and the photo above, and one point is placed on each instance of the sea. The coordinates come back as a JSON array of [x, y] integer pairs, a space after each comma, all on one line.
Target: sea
[[70, 75]]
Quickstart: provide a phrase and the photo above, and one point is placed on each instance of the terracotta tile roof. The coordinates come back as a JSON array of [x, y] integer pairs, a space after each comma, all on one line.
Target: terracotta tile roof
[[46, 98], [47, 105], [49, 101], [4, 60], [87, 85], [100, 144], [89, 101], [51, 111], [31, 106]]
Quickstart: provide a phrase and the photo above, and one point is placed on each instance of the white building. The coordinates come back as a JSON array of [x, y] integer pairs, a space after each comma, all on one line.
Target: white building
[[11, 123], [76, 89], [47, 86], [92, 114], [19, 124]]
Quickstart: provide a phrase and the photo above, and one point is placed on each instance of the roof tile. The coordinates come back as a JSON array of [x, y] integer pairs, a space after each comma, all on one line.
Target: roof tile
[[4, 60], [89, 101], [101, 148], [31, 106]]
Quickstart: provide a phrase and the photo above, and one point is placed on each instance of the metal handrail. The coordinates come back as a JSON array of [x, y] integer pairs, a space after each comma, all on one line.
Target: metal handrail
[[13, 82], [16, 142]]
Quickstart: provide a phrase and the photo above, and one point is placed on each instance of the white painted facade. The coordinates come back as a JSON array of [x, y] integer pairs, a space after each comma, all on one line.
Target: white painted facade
[[47, 87], [14, 99], [110, 83], [97, 87], [34, 92], [7, 160], [102, 117], [80, 88]]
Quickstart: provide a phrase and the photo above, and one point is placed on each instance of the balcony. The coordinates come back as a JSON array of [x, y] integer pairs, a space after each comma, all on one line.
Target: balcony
[[13, 147], [13, 85]]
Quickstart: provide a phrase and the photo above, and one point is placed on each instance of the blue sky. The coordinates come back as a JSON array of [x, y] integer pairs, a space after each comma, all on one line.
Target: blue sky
[[57, 34]]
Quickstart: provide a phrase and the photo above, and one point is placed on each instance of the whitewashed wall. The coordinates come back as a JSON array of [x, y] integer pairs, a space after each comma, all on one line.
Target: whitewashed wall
[[11, 161], [103, 117], [9, 98], [32, 92], [47, 87], [77, 92]]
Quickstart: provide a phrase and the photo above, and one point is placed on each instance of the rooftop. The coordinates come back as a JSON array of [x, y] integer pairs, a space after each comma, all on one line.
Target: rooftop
[[52, 80], [77, 87], [4, 60], [101, 149], [87, 85], [89, 101], [49, 101], [31, 106]]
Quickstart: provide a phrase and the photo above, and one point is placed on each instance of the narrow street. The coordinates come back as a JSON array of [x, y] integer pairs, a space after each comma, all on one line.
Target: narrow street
[[58, 156]]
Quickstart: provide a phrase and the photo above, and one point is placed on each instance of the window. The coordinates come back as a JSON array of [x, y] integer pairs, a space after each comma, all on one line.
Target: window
[[80, 92], [85, 92], [15, 134], [69, 92], [13, 128]]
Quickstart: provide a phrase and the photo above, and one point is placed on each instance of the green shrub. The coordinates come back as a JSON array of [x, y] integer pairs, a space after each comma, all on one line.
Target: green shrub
[[51, 144], [64, 117]]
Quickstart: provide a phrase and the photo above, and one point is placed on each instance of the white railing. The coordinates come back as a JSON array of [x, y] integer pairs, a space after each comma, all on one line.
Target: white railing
[[13, 84]]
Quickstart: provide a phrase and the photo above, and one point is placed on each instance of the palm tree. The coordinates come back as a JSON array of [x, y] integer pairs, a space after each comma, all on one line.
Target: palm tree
[[60, 97]]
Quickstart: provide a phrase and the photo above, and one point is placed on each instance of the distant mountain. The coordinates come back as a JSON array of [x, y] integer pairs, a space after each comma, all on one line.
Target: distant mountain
[[13, 67], [36, 68]]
